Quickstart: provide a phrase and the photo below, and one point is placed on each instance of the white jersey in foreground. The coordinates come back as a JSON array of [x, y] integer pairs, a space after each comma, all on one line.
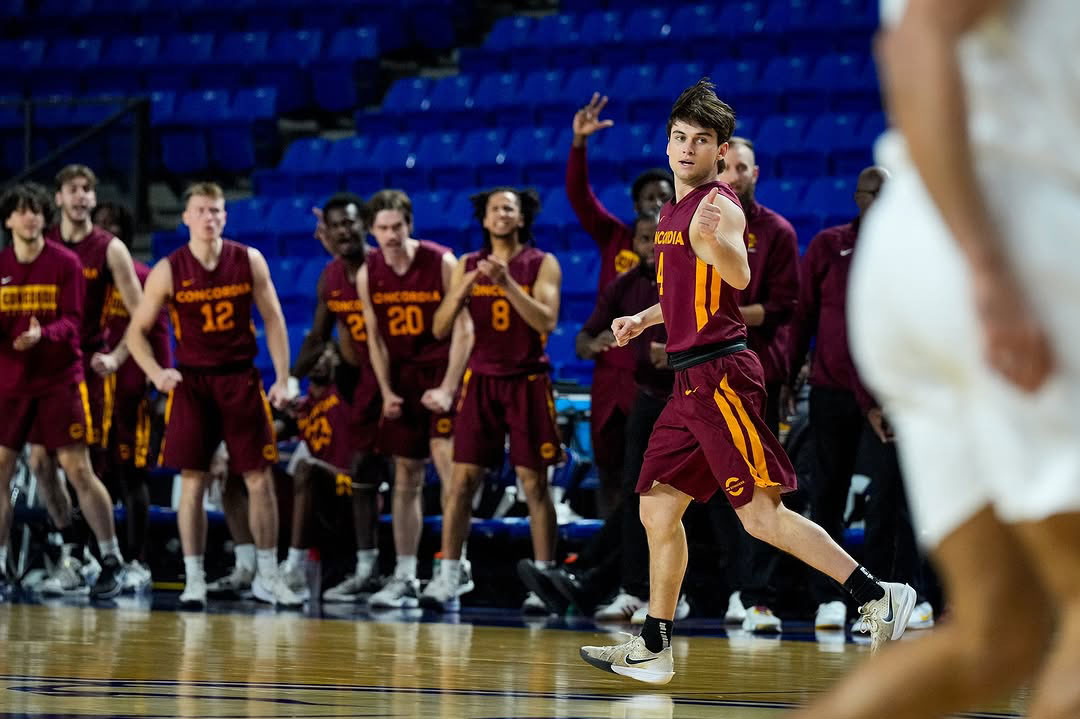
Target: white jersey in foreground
[[967, 438]]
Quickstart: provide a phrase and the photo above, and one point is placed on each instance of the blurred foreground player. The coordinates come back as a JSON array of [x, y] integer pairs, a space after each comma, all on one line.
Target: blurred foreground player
[[215, 392], [965, 295]]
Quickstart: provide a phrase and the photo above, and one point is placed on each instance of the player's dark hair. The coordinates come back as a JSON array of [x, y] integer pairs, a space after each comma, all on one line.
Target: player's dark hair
[[656, 174], [389, 200], [341, 200], [528, 201], [115, 213], [74, 171], [699, 106], [27, 195]]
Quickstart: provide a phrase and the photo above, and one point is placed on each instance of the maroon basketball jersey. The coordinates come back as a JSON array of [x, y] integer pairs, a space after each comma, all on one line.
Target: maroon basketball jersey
[[323, 425], [92, 252], [51, 288], [211, 309], [505, 343], [699, 307], [117, 320], [340, 297], [405, 305]]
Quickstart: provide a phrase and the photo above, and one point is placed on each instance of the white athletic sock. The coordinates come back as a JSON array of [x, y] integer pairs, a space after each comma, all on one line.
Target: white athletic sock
[[193, 568], [544, 563], [111, 547], [406, 567], [296, 556], [266, 562], [451, 571], [245, 556], [365, 561], [3, 558]]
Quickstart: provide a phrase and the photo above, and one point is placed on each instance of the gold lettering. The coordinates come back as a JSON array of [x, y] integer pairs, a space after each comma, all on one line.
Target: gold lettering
[[406, 297], [344, 306], [28, 298], [213, 293], [669, 238]]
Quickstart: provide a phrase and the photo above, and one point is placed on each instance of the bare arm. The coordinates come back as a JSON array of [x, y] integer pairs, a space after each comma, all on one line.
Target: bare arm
[[461, 338], [158, 289], [716, 235], [925, 93], [380, 358], [540, 310], [627, 328], [277, 336], [322, 328], [459, 284], [127, 285]]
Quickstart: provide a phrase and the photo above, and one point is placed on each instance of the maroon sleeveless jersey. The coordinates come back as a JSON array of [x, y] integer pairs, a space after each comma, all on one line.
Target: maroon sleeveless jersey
[[211, 309], [505, 344], [405, 305], [340, 297], [92, 252], [699, 307], [116, 320]]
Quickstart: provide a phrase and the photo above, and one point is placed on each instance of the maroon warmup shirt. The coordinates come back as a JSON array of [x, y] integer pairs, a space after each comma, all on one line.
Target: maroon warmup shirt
[[211, 309], [338, 293], [405, 305], [772, 251], [822, 309], [505, 344], [630, 293], [92, 251], [52, 289], [700, 309]]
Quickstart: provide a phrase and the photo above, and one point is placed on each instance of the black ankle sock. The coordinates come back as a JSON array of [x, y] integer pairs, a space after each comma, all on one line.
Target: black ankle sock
[[657, 633], [863, 586]]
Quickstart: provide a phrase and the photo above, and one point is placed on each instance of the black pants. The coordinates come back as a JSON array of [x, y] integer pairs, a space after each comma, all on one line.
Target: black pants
[[842, 436]]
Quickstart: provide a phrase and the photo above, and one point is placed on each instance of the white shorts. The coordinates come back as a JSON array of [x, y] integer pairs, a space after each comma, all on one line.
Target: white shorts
[[967, 439]]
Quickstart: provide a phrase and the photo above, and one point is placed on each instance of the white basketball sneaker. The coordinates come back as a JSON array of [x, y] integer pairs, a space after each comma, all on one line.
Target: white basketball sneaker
[[887, 618], [632, 659]]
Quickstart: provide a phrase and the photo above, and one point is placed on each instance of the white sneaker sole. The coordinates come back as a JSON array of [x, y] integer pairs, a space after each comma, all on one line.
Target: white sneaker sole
[[448, 607], [903, 612], [641, 674]]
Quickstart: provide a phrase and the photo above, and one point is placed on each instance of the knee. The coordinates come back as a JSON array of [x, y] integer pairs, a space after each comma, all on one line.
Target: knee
[[258, 483], [657, 519], [535, 486], [761, 521], [42, 466]]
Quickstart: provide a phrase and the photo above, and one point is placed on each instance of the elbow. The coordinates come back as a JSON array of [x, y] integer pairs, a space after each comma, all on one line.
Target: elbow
[[740, 279], [440, 329], [549, 325]]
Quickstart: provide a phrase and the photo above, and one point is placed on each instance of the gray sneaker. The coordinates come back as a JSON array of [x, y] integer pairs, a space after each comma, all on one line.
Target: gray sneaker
[[887, 618], [235, 584], [353, 588], [399, 593], [632, 659]]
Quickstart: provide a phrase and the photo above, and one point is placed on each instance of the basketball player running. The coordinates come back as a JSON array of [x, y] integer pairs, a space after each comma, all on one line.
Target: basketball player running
[[338, 304], [512, 292], [400, 287], [711, 435], [964, 307], [215, 392], [127, 428], [43, 398], [106, 263]]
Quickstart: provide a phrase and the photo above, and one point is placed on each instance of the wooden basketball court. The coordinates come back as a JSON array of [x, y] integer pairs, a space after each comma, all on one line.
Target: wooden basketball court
[[78, 662]]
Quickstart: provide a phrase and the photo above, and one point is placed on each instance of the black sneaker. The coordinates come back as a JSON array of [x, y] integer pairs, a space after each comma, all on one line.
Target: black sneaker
[[574, 590], [108, 583], [540, 584]]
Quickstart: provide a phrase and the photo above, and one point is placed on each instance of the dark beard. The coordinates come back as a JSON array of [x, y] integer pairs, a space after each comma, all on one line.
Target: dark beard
[[356, 254]]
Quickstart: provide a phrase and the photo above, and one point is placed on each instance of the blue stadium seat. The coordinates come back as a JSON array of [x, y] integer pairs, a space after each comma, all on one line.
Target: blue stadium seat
[[72, 53], [186, 49], [352, 157], [344, 79], [131, 51], [162, 107], [247, 216], [290, 219], [441, 151], [786, 77], [406, 99], [291, 52], [395, 155], [582, 83], [22, 53], [185, 151], [555, 31], [162, 243], [633, 81], [647, 26], [780, 134], [497, 89], [677, 76], [202, 108], [429, 209], [783, 196], [511, 32], [486, 150], [696, 22], [451, 104], [831, 197], [344, 155], [543, 88], [64, 10], [242, 48], [602, 27], [616, 198]]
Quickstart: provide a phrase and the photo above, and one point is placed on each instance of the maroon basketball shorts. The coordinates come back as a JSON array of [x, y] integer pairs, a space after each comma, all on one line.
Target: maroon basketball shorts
[[206, 408], [100, 394], [613, 393], [711, 435], [490, 408], [58, 419], [129, 431], [410, 434], [364, 414]]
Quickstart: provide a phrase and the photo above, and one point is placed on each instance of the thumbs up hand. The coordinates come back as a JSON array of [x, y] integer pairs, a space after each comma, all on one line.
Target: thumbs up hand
[[709, 214]]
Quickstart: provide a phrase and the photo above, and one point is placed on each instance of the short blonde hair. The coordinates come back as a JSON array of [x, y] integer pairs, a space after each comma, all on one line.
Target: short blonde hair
[[203, 189]]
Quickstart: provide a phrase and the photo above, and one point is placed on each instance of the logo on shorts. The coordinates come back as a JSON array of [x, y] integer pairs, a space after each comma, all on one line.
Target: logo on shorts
[[343, 485], [77, 431], [444, 425], [734, 486], [848, 251], [6, 280], [691, 391], [269, 453], [547, 450]]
